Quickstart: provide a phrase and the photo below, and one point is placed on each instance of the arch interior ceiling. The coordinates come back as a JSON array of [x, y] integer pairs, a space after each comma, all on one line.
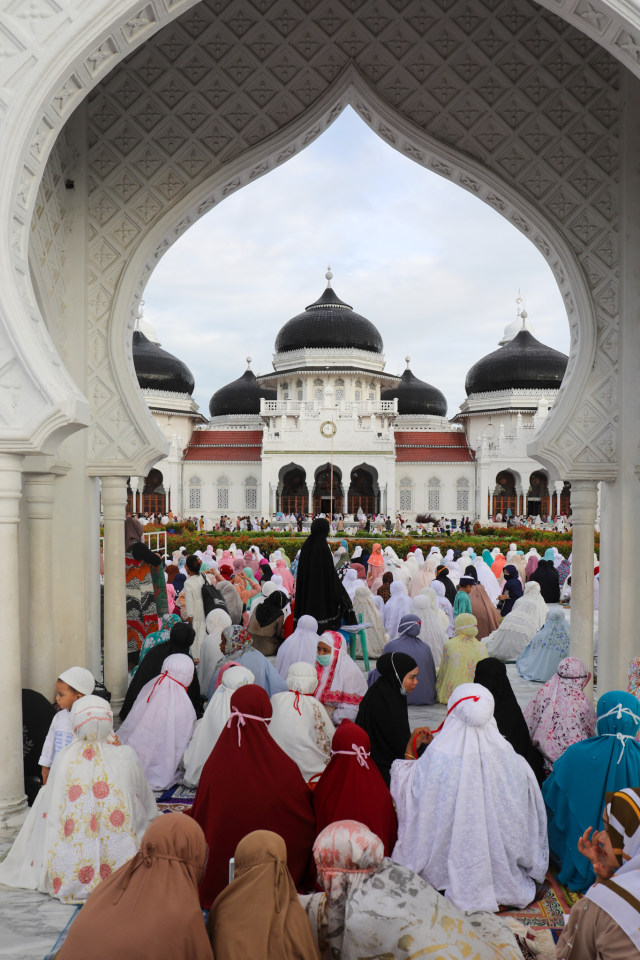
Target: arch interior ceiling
[[504, 86]]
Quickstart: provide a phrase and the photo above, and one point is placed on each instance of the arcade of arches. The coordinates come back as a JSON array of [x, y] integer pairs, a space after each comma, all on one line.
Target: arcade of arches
[[123, 124], [293, 497], [510, 501]]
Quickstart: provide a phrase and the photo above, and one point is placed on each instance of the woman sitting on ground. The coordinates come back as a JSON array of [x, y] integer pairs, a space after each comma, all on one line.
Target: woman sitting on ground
[[249, 783], [575, 791], [266, 623], [90, 816], [605, 923], [471, 819], [180, 640], [408, 641], [341, 683], [492, 674], [149, 907], [560, 714], [352, 786], [461, 654], [236, 646], [384, 715], [373, 907], [262, 890], [300, 724]]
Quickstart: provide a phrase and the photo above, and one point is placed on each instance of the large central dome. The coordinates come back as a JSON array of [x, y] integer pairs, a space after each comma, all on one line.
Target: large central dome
[[329, 323]]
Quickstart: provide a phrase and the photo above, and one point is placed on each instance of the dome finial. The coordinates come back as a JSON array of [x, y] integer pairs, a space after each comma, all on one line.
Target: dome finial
[[518, 304], [328, 276], [407, 360], [248, 359]]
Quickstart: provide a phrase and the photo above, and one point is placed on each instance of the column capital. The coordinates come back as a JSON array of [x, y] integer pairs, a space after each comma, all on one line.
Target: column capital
[[38, 492], [584, 501], [113, 492], [10, 487]]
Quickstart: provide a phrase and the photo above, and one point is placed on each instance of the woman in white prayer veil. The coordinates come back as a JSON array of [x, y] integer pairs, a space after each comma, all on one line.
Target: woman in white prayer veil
[[299, 722], [471, 818], [301, 645], [397, 606], [350, 582], [377, 636], [441, 616], [215, 623], [422, 579], [89, 818], [206, 731], [520, 626], [487, 579], [438, 588], [431, 630]]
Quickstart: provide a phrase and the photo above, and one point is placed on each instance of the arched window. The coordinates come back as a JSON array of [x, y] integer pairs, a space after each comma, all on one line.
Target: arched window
[[339, 390], [462, 494], [223, 493], [406, 495], [251, 493], [433, 495], [195, 488], [299, 390], [285, 391], [318, 389]]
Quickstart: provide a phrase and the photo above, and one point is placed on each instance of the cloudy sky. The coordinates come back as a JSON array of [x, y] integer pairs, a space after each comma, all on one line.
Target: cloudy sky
[[435, 269]]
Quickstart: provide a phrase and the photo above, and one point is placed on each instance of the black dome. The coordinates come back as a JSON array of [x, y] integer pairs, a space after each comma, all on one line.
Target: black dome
[[416, 397], [523, 363], [240, 396], [158, 370], [329, 323]]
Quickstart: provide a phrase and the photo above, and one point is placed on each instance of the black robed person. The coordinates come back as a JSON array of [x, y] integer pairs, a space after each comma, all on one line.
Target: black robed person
[[383, 712], [492, 674], [319, 591], [180, 641]]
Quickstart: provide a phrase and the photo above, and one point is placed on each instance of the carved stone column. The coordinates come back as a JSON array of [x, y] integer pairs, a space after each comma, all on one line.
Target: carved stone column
[[13, 802], [38, 491], [114, 502], [583, 511]]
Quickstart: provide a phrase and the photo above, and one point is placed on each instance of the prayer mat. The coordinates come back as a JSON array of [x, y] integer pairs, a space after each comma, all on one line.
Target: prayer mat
[[177, 799], [549, 910]]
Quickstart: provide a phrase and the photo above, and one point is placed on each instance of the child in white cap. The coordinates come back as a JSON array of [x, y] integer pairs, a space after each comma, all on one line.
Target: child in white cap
[[72, 684]]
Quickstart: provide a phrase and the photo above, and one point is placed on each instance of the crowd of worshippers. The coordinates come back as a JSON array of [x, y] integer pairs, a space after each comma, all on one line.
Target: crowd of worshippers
[[323, 826]]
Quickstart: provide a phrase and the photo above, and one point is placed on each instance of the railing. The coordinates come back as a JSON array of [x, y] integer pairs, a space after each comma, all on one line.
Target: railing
[[310, 408], [156, 541]]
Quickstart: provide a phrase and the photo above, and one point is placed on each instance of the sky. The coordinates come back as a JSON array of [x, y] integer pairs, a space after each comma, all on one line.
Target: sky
[[435, 269]]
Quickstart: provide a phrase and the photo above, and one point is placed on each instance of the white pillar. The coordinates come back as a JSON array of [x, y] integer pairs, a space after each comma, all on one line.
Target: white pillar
[[114, 502], [310, 492], [13, 802], [39, 495], [583, 511], [133, 483]]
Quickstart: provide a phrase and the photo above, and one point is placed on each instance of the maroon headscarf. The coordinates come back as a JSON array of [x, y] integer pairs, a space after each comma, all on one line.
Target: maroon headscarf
[[352, 788], [249, 783]]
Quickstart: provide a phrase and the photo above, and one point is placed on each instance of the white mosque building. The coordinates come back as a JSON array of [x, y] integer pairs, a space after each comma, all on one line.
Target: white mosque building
[[327, 422]]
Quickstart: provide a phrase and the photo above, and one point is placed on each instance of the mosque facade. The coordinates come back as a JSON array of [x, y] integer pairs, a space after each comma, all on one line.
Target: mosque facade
[[328, 425]]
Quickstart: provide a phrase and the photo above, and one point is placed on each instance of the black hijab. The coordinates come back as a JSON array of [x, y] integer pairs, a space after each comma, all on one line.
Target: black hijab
[[492, 674], [442, 574], [319, 592], [383, 712], [471, 572], [271, 608], [547, 576], [180, 640]]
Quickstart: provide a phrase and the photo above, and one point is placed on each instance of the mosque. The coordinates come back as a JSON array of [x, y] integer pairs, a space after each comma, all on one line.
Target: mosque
[[328, 422]]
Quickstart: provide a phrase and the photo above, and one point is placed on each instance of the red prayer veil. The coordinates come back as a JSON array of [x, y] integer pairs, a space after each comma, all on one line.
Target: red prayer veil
[[352, 788], [249, 783]]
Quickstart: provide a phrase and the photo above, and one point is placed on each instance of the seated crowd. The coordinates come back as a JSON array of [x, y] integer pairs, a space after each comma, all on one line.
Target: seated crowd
[[323, 825]]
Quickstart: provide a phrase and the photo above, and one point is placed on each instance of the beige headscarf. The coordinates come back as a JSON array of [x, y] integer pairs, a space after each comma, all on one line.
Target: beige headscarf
[[150, 906], [259, 914]]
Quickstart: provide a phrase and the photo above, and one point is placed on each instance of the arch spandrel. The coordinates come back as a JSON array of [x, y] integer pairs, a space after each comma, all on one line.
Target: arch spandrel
[[489, 113]]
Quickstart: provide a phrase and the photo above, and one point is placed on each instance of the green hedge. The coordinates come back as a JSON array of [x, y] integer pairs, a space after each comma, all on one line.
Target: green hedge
[[269, 542]]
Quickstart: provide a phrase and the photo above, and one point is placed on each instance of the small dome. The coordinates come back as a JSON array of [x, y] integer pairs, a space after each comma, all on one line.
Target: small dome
[[240, 396], [416, 397], [329, 323], [158, 370], [523, 363]]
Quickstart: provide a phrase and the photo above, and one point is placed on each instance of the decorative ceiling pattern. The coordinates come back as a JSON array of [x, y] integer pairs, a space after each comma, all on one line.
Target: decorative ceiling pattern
[[501, 86]]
